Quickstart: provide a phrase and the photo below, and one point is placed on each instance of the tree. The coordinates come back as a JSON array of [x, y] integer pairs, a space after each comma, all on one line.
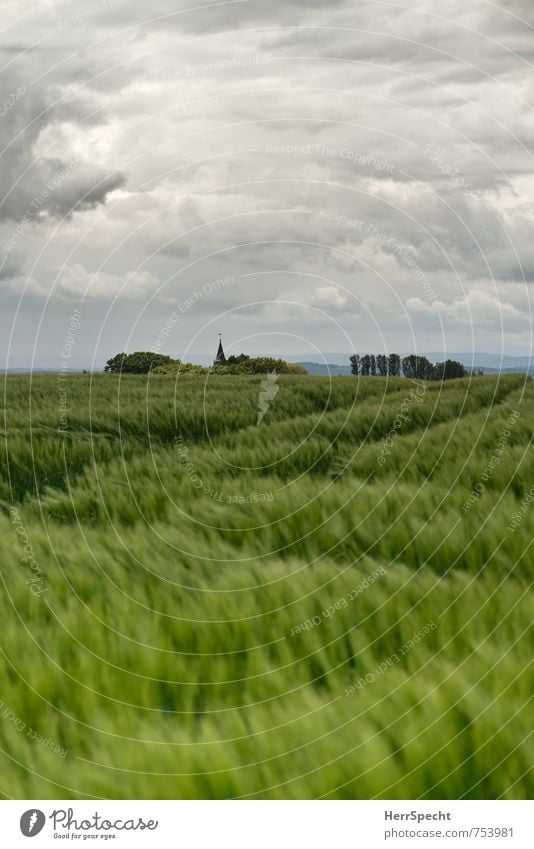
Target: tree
[[424, 369], [394, 365], [409, 366], [382, 364], [355, 364], [413, 367], [178, 369], [449, 370], [417, 368], [140, 362], [235, 361], [455, 369], [365, 365], [259, 365]]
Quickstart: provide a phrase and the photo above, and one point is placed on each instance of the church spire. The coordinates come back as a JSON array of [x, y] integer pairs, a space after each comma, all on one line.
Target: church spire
[[220, 359]]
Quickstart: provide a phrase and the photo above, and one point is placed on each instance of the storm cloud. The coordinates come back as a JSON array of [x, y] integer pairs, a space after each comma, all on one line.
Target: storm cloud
[[363, 171]]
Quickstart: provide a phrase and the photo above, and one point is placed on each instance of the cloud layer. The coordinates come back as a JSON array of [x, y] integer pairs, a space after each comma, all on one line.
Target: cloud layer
[[370, 161]]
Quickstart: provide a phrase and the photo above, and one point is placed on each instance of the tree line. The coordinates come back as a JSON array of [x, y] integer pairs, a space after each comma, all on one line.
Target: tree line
[[143, 362], [392, 365], [384, 365]]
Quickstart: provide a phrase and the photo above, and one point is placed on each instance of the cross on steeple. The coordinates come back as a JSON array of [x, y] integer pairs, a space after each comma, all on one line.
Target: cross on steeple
[[220, 359]]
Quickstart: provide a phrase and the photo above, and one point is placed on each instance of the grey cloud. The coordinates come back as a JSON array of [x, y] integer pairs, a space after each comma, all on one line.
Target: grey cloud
[[31, 184], [85, 188], [210, 16], [187, 112]]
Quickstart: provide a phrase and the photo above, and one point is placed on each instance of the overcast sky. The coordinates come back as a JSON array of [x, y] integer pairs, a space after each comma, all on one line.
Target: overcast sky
[[306, 177]]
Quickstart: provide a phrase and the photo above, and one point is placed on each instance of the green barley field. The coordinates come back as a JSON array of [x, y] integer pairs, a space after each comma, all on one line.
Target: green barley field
[[332, 603]]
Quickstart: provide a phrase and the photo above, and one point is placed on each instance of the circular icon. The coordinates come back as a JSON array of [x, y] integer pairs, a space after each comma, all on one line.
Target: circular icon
[[32, 822]]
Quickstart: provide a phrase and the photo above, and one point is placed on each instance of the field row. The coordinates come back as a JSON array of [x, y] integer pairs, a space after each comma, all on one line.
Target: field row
[[333, 603]]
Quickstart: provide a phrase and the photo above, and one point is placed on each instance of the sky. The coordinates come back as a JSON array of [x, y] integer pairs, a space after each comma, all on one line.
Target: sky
[[303, 177]]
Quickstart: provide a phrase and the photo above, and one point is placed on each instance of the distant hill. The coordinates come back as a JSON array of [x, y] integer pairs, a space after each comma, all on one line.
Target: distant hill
[[492, 362], [324, 370]]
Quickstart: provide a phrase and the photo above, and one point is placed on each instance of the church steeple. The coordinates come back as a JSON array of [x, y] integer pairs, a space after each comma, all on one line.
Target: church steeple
[[220, 359]]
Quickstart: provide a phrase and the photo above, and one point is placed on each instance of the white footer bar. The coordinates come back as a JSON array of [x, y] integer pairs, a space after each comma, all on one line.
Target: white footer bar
[[268, 824]]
